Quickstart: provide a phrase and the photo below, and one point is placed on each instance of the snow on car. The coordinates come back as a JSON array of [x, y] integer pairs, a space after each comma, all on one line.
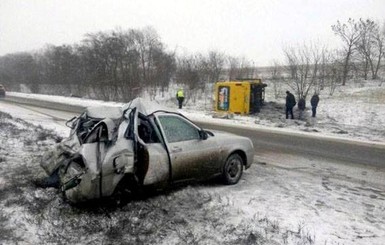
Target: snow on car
[[114, 150]]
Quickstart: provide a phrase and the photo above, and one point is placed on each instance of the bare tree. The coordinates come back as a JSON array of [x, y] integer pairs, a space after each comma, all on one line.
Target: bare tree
[[350, 35], [19, 68], [366, 45], [113, 65], [325, 66], [303, 66], [103, 51], [215, 65], [276, 79], [246, 69], [164, 66], [335, 77], [189, 73], [331, 71], [147, 40], [233, 67], [123, 63], [379, 40], [240, 68]]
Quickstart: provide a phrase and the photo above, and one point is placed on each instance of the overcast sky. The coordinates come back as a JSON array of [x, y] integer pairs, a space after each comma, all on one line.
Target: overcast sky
[[254, 29]]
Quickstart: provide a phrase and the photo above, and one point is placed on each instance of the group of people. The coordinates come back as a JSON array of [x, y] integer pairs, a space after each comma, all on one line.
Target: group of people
[[291, 102]]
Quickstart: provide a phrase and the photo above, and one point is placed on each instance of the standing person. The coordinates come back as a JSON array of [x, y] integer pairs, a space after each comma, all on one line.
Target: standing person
[[180, 97], [290, 103], [314, 103], [301, 107]]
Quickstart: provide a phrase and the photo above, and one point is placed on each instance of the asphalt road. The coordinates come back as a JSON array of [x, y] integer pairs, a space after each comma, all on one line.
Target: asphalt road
[[270, 142]]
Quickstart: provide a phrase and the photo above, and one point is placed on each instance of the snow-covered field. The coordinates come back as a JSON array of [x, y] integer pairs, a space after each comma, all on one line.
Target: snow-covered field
[[281, 199], [355, 111]]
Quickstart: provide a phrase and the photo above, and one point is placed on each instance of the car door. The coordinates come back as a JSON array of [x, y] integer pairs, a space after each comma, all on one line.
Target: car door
[[104, 163], [153, 154], [147, 160], [191, 156], [93, 151]]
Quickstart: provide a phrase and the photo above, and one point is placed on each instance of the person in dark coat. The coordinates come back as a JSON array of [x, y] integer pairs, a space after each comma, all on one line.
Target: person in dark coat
[[290, 103], [301, 107], [314, 103]]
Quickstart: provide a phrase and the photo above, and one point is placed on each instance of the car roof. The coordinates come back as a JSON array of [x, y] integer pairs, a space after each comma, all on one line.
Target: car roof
[[146, 107], [104, 112]]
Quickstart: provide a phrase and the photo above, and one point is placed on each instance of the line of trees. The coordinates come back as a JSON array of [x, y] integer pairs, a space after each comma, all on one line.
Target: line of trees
[[363, 47], [116, 65], [119, 65], [312, 67]]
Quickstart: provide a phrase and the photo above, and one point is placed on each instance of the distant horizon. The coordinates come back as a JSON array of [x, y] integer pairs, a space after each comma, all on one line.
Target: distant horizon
[[255, 30]]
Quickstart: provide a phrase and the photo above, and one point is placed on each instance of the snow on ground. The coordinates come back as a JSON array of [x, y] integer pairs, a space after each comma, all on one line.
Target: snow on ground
[[190, 215], [355, 111], [281, 199], [36, 118]]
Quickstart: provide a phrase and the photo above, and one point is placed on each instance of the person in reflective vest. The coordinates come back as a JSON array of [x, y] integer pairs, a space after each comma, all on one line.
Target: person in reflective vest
[[180, 97]]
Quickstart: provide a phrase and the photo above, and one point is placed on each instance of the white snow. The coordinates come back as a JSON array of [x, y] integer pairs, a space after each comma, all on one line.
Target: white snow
[[330, 202], [353, 112]]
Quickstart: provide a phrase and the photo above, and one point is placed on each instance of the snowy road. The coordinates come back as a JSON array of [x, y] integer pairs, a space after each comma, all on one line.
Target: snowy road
[[52, 119], [329, 201], [265, 140]]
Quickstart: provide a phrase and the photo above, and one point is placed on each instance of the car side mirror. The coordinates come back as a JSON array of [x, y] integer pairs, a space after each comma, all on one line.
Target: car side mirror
[[203, 135]]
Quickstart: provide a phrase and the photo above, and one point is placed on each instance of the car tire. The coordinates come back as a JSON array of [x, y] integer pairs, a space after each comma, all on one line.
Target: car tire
[[233, 169]]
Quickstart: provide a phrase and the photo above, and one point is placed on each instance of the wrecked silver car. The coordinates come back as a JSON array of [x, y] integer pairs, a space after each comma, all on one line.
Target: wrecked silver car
[[141, 144]]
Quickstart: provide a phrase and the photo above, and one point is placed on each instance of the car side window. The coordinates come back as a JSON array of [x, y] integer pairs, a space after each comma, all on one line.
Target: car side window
[[176, 129], [147, 132]]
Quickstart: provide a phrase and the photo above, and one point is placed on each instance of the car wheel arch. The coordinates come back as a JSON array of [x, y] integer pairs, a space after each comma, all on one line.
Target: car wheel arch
[[127, 185], [241, 153]]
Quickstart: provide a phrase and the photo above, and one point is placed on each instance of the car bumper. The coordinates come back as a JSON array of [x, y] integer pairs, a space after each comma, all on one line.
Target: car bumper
[[250, 158]]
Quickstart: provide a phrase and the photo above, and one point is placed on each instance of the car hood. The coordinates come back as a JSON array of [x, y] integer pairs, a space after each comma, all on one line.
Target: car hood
[[222, 134]]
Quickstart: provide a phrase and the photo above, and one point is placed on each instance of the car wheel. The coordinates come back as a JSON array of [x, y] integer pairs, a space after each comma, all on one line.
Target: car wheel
[[233, 169]]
